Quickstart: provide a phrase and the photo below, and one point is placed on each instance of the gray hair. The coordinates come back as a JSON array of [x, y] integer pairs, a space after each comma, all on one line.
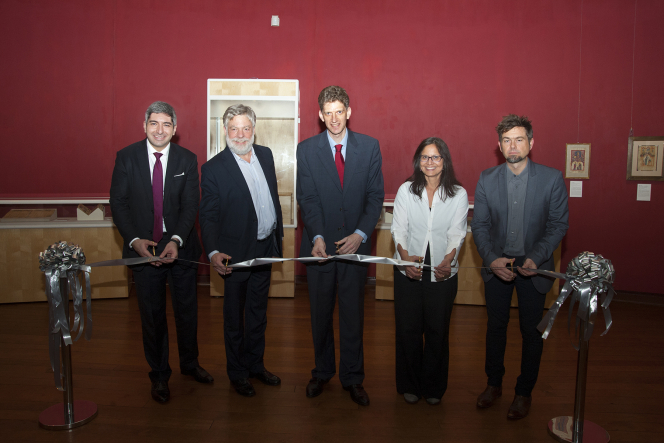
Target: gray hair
[[161, 108], [235, 110]]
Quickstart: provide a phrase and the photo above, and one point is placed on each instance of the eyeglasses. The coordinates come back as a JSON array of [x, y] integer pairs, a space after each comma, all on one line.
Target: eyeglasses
[[426, 158]]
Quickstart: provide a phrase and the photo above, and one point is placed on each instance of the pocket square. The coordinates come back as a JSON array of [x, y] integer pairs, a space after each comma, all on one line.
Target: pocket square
[[179, 175]]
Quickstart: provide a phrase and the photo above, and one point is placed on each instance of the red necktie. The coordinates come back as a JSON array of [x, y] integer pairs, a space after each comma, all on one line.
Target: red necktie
[[158, 198], [339, 161]]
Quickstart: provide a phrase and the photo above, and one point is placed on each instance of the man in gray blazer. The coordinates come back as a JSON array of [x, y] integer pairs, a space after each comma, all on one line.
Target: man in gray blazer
[[340, 193], [519, 219]]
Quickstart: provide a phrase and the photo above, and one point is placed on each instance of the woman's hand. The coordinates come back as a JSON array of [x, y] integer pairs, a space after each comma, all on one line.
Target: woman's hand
[[411, 271]]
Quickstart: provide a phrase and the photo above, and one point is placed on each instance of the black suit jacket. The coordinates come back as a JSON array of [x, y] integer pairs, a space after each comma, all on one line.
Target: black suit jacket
[[228, 219], [325, 207], [131, 197]]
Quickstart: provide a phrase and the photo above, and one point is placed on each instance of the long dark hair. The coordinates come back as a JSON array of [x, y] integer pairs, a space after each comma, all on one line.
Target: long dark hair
[[448, 181]]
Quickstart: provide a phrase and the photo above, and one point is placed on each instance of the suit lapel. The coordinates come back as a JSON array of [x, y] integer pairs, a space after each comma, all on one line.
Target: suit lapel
[[171, 169], [352, 155], [269, 176], [143, 165], [327, 160], [502, 189], [230, 164], [531, 191]]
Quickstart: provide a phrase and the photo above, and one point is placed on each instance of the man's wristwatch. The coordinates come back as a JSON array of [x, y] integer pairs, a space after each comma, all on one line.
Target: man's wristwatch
[[177, 243]]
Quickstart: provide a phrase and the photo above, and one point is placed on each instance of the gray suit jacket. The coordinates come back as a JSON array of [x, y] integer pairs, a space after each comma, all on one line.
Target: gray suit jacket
[[545, 217], [327, 209]]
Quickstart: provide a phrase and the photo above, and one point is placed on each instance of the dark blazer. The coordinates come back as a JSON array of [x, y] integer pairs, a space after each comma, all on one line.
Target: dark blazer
[[227, 215], [325, 208], [545, 217], [131, 197]]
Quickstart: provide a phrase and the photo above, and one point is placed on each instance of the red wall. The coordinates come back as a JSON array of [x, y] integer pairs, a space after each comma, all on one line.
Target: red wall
[[77, 76]]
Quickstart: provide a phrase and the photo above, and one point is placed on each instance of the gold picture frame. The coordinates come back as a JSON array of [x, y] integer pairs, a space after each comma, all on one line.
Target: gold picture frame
[[577, 161], [645, 157]]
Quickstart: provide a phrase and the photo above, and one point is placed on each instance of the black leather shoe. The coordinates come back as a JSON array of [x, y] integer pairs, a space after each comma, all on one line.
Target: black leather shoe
[[315, 387], [358, 394], [160, 392], [200, 374], [243, 387], [267, 378]]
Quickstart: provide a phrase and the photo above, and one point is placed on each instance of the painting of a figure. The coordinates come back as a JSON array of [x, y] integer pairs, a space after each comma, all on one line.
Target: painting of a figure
[[578, 161], [647, 158]]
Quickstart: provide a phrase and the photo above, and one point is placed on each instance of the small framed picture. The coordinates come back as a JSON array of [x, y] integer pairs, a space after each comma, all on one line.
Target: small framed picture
[[577, 164], [644, 158]]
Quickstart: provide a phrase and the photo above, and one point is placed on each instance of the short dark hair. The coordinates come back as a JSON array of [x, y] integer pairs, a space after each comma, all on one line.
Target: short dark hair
[[332, 94], [448, 181], [161, 108], [512, 121]]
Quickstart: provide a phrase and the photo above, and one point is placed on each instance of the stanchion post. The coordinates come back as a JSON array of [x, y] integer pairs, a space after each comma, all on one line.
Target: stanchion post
[[580, 392], [69, 414], [68, 388], [568, 429]]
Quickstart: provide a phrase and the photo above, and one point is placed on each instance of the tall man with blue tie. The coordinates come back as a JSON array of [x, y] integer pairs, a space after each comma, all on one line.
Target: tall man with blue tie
[[340, 193], [241, 219], [154, 201]]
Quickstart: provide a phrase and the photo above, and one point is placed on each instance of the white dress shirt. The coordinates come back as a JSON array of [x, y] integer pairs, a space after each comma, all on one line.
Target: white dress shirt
[[443, 228]]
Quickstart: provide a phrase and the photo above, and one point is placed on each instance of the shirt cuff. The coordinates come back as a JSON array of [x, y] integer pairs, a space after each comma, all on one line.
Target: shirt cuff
[[361, 234], [177, 237], [211, 254], [132, 242], [316, 238]]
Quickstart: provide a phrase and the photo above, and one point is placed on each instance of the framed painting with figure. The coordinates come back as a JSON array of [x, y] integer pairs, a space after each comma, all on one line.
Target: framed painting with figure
[[577, 161], [644, 158]]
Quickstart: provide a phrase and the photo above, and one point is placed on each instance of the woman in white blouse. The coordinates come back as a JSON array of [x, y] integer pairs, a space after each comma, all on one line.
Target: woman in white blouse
[[429, 223]]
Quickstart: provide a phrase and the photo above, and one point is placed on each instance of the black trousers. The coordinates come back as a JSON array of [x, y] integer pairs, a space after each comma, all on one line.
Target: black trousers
[[151, 293], [498, 294], [325, 281], [245, 316], [422, 311]]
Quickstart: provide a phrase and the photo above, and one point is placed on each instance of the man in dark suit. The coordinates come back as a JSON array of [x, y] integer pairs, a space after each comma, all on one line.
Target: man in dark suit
[[340, 193], [241, 219], [156, 217], [519, 219]]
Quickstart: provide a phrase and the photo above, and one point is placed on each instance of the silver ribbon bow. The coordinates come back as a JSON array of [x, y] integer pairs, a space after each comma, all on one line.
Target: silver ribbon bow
[[588, 277], [63, 260]]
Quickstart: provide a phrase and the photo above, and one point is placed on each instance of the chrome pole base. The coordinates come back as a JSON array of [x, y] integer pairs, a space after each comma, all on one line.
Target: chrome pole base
[[561, 429], [53, 418]]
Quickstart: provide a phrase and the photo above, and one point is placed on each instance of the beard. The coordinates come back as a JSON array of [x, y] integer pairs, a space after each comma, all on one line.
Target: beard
[[236, 148], [514, 159]]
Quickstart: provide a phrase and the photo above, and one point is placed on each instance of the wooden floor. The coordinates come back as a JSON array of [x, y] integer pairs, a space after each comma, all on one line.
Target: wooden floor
[[625, 385]]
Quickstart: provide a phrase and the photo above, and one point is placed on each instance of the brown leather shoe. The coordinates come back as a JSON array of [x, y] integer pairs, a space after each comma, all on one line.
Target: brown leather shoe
[[520, 407], [489, 396]]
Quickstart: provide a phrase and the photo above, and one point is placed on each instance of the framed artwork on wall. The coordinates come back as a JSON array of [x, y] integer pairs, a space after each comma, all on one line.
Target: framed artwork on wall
[[577, 161], [644, 158]]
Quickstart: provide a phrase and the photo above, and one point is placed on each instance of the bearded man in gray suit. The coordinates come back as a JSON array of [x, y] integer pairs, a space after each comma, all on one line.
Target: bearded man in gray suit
[[519, 219]]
